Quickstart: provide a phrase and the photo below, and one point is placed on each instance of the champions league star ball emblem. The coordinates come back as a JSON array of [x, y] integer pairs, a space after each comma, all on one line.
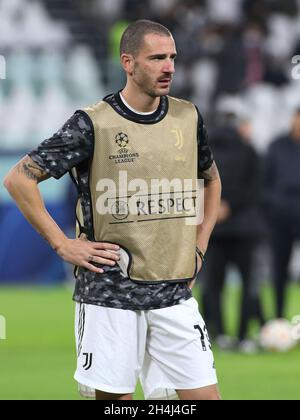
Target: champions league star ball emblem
[[124, 153], [122, 140]]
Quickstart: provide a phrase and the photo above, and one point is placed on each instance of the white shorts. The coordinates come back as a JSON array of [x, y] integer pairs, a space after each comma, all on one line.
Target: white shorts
[[167, 349]]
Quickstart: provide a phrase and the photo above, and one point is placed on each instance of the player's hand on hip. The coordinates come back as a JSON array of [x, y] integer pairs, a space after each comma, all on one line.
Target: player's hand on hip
[[84, 253]]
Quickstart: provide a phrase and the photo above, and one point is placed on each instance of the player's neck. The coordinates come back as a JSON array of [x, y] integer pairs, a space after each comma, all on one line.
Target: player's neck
[[140, 101]]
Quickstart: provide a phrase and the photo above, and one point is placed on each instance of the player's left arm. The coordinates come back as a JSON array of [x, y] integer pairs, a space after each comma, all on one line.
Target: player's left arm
[[208, 171], [212, 200]]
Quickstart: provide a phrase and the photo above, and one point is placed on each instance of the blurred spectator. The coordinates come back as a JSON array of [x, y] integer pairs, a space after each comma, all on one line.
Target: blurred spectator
[[115, 76], [136, 9], [242, 59], [236, 234], [282, 183], [228, 11], [287, 7], [230, 46], [257, 10]]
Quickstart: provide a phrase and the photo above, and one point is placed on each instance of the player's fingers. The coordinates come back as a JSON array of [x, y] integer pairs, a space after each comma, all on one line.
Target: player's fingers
[[108, 255], [103, 261], [92, 268], [105, 246]]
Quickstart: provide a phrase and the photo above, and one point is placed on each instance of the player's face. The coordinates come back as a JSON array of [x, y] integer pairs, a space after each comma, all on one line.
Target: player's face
[[154, 65]]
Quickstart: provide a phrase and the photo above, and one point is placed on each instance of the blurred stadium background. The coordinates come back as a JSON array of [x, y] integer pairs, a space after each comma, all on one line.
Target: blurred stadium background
[[60, 55]]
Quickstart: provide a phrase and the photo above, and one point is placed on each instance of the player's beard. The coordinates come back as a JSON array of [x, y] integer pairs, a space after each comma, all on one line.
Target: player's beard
[[147, 84]]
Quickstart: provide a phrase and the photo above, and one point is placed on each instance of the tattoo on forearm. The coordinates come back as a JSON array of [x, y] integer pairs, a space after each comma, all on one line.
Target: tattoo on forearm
[[36, 168], [25, 169], [31, 171], [211, 174]]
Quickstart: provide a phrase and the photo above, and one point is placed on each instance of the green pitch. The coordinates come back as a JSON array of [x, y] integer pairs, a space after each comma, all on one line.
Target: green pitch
[[37, 361]]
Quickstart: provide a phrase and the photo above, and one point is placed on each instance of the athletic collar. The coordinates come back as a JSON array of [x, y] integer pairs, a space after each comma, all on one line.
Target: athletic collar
[[115, 101], [132, 109]]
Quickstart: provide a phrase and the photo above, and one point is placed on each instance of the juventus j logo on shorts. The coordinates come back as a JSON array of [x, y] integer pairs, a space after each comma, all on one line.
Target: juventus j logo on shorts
[[88, 361]]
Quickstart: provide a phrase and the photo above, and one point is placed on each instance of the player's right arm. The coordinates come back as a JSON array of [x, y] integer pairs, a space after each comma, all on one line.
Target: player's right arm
[[22, 184], [55, 157]]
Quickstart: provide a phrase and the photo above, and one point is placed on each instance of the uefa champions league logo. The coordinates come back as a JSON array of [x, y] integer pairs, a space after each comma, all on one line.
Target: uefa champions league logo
[[2, 67], [122, 140], [296, 69], [2, 328]]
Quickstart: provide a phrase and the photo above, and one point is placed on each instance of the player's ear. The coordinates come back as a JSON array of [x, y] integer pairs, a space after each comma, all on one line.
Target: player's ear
[[127, 62]]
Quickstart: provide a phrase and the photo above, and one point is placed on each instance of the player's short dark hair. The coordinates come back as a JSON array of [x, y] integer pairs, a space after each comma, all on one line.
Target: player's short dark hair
[[133, 37]]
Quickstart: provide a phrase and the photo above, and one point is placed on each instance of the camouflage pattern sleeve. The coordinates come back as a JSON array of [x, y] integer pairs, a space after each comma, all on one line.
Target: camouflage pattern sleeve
[[67, 148], [205, 154]]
